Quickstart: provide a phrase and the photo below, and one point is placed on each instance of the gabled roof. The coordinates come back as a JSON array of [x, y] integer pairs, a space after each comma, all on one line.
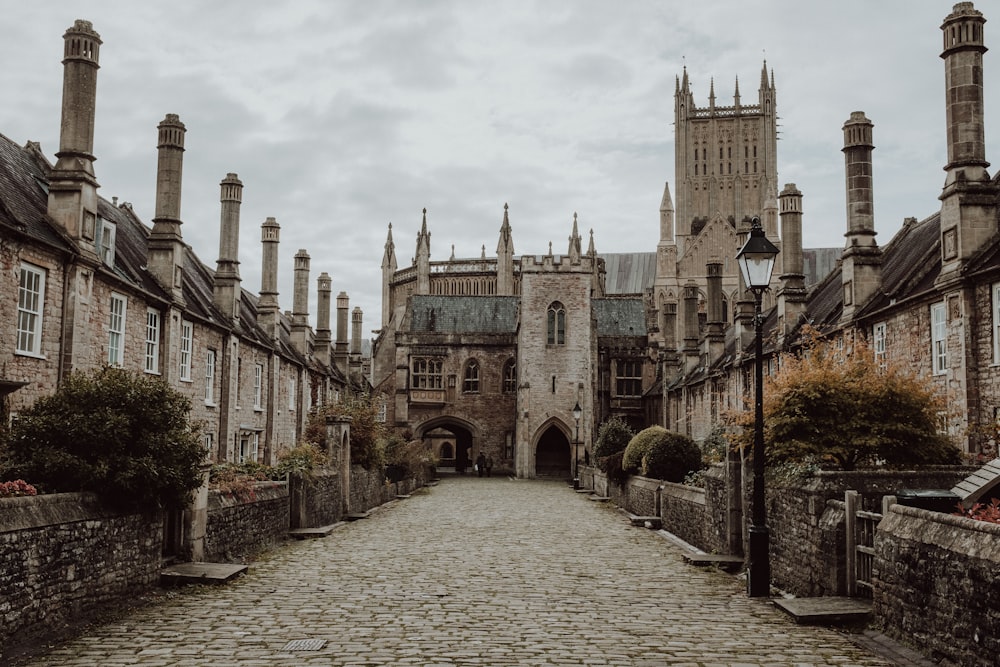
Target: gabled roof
[[24, 195], [911, 262], [464, 314], [619, 317]]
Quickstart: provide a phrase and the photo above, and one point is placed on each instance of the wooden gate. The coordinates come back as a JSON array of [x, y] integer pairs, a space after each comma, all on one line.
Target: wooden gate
[[860, 531]]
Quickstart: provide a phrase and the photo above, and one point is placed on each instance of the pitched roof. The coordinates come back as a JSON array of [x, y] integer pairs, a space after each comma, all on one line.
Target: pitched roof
[[619, 317], [24, 195], [629, 272], [464, 314]]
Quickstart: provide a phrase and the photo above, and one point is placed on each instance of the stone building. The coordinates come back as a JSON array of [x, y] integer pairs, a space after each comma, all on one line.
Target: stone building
[[929, 298], [86, 284]]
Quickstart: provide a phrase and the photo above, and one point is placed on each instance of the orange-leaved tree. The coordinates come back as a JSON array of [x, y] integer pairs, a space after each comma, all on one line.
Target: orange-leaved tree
[[846, 408]]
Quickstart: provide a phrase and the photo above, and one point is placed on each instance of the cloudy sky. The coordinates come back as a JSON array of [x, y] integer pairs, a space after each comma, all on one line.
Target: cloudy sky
[[343, 116]]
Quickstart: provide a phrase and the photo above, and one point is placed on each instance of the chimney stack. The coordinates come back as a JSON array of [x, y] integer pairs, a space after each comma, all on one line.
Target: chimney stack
[[227, 288], [323, 318], [267, 303], [166, 247], [300, 303], [861, 267]]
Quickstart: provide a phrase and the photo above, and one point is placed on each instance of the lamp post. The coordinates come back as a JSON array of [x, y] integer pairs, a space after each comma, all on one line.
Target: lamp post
[[577, 413], [756, 259]]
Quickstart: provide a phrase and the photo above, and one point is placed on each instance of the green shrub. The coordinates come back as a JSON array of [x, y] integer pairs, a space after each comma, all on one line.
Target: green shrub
[[613, 467], [613, 436], [368, 434], [661, 454], [122, 435]]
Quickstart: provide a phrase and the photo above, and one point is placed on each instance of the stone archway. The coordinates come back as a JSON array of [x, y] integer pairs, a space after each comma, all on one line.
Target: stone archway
[[453, 441], [552, 454]]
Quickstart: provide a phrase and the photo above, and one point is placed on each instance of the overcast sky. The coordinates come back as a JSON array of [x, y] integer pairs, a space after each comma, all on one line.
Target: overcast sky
[[341, 117]]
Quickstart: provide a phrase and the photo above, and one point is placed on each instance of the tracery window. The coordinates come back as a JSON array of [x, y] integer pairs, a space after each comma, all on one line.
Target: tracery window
[[471, 382], [509, 377], [556, 324], [426, 373]]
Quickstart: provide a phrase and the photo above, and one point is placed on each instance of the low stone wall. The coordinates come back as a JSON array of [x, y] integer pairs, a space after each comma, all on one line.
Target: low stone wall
[[239, 528], [682, 510], [936, 585], [369, 489], [63, 558], [316, 500]]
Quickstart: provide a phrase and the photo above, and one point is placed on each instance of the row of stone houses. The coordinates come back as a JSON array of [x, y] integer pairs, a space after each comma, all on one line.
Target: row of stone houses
[[86, 283], [493, 354]]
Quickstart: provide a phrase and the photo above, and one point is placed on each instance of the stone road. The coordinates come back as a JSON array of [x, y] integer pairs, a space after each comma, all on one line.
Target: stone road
[[470, 572]]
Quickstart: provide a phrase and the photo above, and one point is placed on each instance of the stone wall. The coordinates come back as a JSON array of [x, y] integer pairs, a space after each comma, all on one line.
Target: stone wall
[[682, 510], [64, 558], [316, 501], [936, 585], [240, 528], [370, 489]]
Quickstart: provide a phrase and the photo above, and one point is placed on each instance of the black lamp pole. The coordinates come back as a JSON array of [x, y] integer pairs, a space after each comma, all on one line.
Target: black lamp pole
[[577, 412], [756, 260]]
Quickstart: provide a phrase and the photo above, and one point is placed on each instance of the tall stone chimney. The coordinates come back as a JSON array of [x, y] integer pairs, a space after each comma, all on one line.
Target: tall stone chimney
[[226, 290], [357, 318], [968, 200], [267, 303], [72, 201], [691, 333], [300, 303], [340, 348], [166, 247], [715, 337], [323, 318], [861, 267], [792, 292]]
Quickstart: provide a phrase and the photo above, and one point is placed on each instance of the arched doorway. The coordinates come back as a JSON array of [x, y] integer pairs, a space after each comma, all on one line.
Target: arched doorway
[[552, 454], [451, 443]]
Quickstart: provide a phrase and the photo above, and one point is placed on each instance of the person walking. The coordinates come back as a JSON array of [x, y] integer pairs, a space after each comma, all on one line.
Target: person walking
[[489, 466], [480, 464]]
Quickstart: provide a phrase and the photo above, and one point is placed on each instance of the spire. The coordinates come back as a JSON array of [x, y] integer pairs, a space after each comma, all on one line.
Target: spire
[[736, 95], [423, 258], [389, 257], [452, 258], [506, 242], [574, 242], [763, 75], [591, 251], [505, 258], [666, 216], [711, 93], [388, 273], [483, 255]]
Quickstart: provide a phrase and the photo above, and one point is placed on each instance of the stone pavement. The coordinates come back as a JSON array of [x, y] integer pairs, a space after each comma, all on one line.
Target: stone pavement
[[470, 572]]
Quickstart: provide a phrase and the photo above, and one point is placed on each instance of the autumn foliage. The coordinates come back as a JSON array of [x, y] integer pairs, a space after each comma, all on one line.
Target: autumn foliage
[[848, 410]]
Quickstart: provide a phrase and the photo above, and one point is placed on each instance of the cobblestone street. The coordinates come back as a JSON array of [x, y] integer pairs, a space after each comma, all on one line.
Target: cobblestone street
[[470, 572]]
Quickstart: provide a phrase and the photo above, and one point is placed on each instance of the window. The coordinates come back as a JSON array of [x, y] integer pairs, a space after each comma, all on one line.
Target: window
[[152, 341], [207, 440], [556, 324], [258, 386], [996, 323], [939, 347], [254, 446], [116, 331], [291, 394], [628, 380], [471, 382], [107, 231], [878, 342], [210, 377], [383, 407], [30, 300], [509, 377], [426, 374], [187, 340]]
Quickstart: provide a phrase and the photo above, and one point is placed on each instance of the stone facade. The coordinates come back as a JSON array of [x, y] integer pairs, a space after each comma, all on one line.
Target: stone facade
[[86, 283]]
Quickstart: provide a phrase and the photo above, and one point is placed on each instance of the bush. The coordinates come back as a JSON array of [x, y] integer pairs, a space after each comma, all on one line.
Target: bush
[[122, 435], [368, 434], [613, 436], [239, 480], [406, 458], [302, 460], [658, 453], [613, 467]]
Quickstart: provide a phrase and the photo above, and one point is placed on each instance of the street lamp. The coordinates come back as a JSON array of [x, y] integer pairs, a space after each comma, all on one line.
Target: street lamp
[[756, 259], [577, 413]]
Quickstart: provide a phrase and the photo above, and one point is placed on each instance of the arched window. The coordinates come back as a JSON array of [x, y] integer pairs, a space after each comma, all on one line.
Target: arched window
[[509, 377], [471, 382], [556, 324], [446, 451]]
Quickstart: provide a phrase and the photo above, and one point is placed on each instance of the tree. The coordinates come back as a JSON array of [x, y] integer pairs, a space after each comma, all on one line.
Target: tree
[[368, 434], [847, 409], [122, 435]]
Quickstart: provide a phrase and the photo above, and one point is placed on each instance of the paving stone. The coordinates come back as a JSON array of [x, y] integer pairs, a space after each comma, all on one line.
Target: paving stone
[[470, 572]]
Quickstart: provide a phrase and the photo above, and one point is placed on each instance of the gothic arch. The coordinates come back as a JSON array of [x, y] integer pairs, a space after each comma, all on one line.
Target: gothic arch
[[552, 448]]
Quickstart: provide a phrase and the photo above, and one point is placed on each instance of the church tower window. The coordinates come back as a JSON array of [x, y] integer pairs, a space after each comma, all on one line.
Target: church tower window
[[509, 377], [556, 324], [471, 383]]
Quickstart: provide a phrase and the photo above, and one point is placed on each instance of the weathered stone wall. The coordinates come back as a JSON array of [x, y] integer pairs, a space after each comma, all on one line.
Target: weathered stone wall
[[316, 501], [239, 529], [682, 510], [64, 558], [370, 489], [717, 508], [639, 496], [936, 585]]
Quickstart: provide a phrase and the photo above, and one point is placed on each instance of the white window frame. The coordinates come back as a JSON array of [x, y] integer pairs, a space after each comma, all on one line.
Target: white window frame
[[152, 364], [187, 345], [210, 377], [117, 311], [30, 310], [254, 446], [996, 323], [939, 338], [258, 386], [208, 439], [107, 231], [879, 343]]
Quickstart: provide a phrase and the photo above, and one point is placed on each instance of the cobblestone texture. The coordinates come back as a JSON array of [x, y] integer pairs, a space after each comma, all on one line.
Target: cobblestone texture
[[470, 572]]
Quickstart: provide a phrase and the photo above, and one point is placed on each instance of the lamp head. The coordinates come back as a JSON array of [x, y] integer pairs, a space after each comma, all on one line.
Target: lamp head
[[756, 258], [577, 411]]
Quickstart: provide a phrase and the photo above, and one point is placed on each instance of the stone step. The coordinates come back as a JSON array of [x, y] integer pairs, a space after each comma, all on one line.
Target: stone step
[[722, 561], [316, 532], [826, 610], [651, 522], [200, 573]]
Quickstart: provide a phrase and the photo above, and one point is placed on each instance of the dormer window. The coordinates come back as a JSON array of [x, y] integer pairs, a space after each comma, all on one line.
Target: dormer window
[[105, 242]]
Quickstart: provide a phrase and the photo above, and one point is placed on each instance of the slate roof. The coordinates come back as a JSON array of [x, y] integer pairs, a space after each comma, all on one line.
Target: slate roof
[[464, 314], [629, 272], [24, 195], [619, 317]]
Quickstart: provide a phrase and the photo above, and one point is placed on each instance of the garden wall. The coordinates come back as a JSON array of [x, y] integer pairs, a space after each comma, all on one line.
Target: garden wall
[[240, 528], [317, 500], [936, 584], [64, 558], [371, 489]]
